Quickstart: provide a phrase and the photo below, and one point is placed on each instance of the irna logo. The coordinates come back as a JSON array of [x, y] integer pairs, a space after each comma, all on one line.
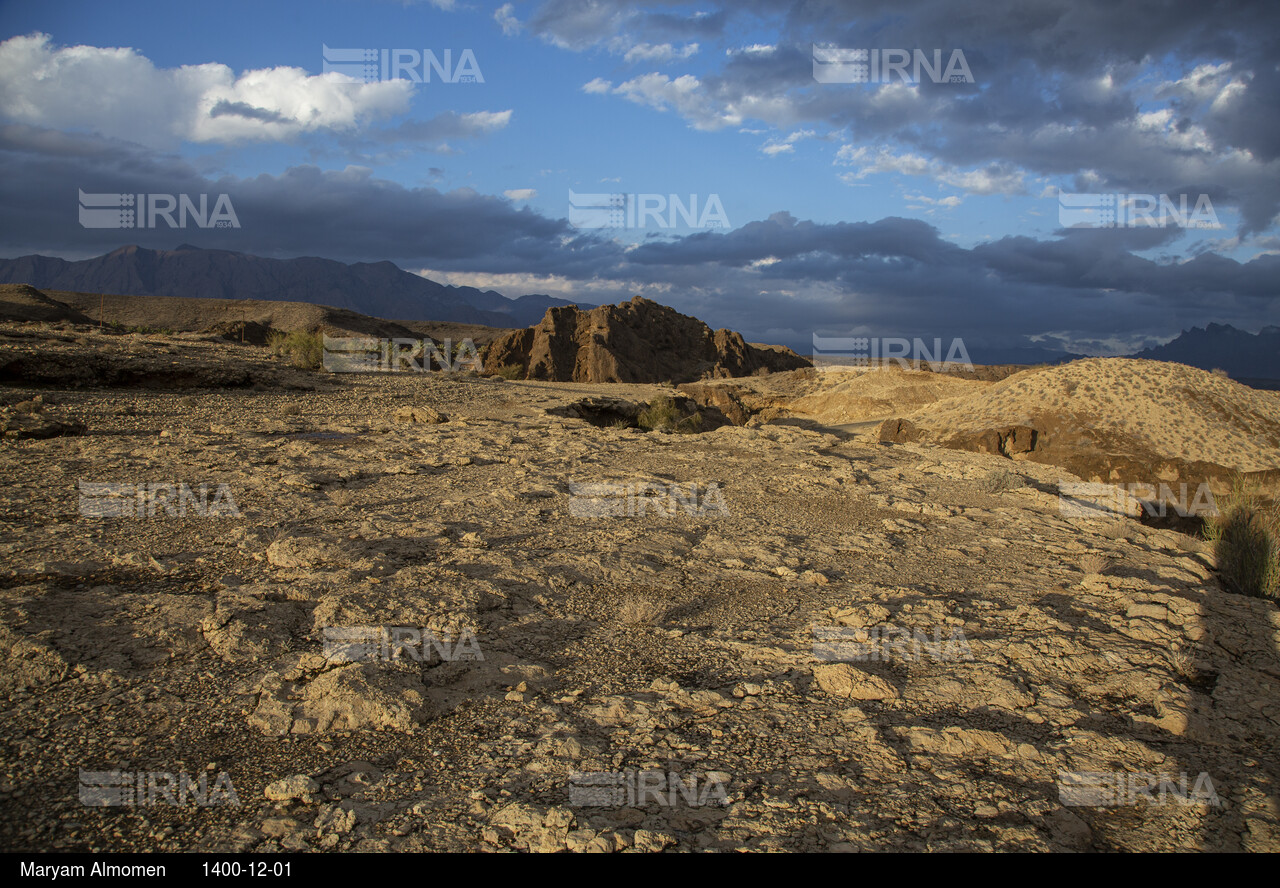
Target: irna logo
[[116, 210], [415, 66]]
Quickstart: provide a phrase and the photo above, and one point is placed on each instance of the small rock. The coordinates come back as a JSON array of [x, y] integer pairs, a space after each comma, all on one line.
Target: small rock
[[297, 786], [843, 680], [276, 827], [650, 841], [417, 414]]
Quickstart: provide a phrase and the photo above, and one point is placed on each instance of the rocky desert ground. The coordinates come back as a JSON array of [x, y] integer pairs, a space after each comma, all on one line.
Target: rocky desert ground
[[446, 612]]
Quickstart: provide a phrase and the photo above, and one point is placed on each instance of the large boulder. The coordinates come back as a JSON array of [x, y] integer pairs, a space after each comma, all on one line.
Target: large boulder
[[638, 341]]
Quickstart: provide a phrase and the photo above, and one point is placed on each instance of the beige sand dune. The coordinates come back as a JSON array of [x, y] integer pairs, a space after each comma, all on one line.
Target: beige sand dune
[[1172, 409], [848, 396]]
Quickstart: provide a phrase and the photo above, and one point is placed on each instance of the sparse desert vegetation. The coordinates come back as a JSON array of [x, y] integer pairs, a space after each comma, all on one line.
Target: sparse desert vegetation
[[1094, 564], [509, 371], [1246, 541], [635, 631], [303, 349], [636, 427], [663, 415], [1001, 480], [637, 610]]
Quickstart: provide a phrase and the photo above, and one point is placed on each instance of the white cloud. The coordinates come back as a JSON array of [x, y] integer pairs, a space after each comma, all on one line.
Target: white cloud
[[118, 92], [598, 86], [520, 193], [486, 121], [775, 147], [995, 178], [683, 94], [662, 52], [506, 18], [600, 291], [884, 161], [949, 202]]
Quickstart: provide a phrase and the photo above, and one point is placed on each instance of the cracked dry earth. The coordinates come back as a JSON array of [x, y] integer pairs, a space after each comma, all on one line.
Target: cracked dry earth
[[673, 643]]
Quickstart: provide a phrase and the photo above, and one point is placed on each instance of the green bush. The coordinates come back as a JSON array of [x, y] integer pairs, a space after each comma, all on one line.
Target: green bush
[[140, 328], [662, 415], [510, 371], [302, 349], [1000, 480], [275, 342], [1246, 541]]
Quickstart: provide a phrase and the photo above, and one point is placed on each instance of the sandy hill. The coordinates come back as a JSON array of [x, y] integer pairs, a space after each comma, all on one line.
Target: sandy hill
[[21, 302], [1172, 409], [844, 397], [857, 396], [1115, 420]]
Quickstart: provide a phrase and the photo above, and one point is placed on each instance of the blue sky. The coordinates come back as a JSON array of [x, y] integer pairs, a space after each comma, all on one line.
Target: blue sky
[[891, 209]]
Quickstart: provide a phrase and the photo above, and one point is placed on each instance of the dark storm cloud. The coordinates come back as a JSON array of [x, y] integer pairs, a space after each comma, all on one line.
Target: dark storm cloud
[[674, 26], [900, 277], [225, 108], [345, 214], [385, 144], [1060, 87], [779, 279]]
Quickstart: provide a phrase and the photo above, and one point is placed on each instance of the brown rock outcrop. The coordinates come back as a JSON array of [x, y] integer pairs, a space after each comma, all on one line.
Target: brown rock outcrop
[[636, 341], [898, 431]]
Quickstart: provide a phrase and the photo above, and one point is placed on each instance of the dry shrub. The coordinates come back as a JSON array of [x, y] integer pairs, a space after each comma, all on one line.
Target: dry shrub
[[509, 371], [1094, 564], [640, 611], [1246, 541], [1000, 480]]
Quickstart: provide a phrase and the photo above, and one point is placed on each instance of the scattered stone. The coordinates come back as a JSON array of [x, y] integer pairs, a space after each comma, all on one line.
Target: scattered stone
[[843, 680], [297, 786]]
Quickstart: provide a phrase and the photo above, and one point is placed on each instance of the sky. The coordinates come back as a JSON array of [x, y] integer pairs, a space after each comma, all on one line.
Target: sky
[[1068, 174]]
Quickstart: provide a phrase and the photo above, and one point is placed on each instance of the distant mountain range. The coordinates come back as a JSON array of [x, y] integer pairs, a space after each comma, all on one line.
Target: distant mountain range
[[380, 289], [1243, 355], [994, 355], [1252, 358], [383, 290]]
